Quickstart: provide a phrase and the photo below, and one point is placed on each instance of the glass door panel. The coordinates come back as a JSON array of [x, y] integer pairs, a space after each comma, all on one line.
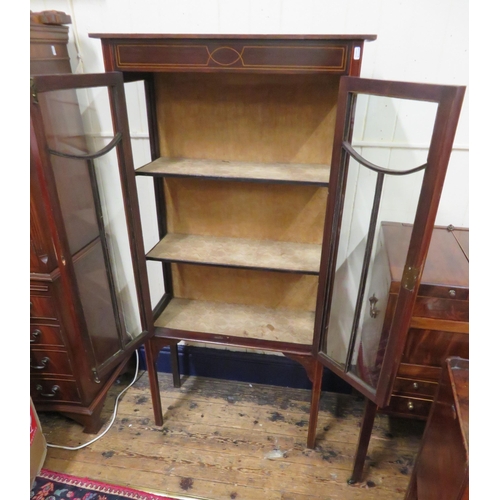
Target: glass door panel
[[392, 146], [65, 133], [91, 167]]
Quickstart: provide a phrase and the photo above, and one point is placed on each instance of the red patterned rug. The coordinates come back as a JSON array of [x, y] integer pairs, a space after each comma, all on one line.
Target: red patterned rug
[[54, 486]]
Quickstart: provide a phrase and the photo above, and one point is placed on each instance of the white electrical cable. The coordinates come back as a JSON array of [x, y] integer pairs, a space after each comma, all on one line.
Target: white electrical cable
[[112, 419], [79, 68]]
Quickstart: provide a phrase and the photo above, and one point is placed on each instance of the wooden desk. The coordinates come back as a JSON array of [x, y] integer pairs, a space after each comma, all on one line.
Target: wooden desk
[[440, 323]]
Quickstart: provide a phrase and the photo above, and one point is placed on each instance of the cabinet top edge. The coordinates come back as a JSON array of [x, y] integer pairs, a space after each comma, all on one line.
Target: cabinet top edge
[[163, 36]]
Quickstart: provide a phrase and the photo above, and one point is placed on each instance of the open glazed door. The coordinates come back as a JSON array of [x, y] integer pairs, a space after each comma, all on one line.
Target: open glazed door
[[364, 309], [383, 200], [95, 218]]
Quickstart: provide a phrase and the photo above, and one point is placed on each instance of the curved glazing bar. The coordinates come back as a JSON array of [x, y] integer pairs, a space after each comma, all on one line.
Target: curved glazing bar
[[91, 156], [381, 170]]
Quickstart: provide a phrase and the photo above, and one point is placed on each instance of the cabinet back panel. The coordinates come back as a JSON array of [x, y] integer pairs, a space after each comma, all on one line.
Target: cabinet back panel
[[262, 118], [258, 118], [246, 210], [240, 286]]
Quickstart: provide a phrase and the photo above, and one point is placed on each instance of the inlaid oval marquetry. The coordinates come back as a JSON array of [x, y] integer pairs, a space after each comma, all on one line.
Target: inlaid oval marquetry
[[225, 56], [235, 55]]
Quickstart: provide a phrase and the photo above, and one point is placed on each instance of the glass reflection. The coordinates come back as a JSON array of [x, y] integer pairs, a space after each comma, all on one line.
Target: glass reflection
[[90, 195], [98, 123]]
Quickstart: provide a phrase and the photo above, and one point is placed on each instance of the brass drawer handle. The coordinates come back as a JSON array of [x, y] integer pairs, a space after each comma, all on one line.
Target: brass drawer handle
[[452, 293], [415, 385], [55, 389], [454, 412], [35, 333], [373, 310], [42, 366], [410, 405]]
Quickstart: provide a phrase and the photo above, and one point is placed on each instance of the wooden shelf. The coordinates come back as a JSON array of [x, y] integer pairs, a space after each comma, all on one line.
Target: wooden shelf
[[311, 174], [238, 252], [236, 320]]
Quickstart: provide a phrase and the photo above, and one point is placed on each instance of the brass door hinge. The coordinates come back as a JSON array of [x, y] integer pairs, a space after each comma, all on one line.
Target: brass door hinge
[[34, 92], [97, 380], [409, 279]]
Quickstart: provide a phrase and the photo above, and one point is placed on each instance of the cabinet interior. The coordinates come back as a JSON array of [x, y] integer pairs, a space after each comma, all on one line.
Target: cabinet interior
[[244, 162]]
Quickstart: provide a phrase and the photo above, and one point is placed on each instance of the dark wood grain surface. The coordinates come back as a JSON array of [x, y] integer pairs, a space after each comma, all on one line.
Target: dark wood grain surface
[[441, 469]]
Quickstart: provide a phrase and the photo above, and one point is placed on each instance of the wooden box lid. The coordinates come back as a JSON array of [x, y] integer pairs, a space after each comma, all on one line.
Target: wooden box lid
[[447, 263]]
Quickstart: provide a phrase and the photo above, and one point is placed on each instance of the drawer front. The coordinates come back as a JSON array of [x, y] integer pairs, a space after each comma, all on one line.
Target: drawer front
[[432, 347], [248, 55], [54, 391], [415, 388], [49, 363], [46, 51], [43, 307], [419, 372], [439, 308], [402, 406], [41, 335]]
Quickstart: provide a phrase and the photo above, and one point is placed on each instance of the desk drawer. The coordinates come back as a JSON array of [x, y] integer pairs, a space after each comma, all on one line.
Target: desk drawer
[[43, 307], [41, 335], [44, 362], [439, 308], [54, 391], [432, 347], [415, 388], [403, 406]]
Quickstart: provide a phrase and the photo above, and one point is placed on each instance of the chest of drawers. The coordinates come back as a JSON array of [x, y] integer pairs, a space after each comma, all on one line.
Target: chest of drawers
[[440, 322], [441, 470]]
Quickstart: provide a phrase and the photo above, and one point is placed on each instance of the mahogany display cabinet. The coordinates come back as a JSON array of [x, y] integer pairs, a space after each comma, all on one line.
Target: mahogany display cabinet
[[259, 206]]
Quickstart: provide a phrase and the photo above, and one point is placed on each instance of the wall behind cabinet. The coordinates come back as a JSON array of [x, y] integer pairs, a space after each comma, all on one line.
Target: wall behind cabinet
[[425, 41]]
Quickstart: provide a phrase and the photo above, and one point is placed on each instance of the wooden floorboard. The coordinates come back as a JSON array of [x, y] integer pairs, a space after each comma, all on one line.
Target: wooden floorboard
[[234, 440]]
